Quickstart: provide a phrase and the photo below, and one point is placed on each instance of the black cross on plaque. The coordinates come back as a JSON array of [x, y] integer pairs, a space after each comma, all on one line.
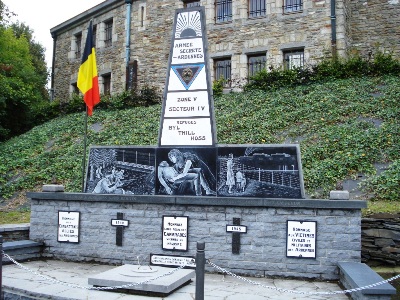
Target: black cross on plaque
[[120, 223], [236, 230]]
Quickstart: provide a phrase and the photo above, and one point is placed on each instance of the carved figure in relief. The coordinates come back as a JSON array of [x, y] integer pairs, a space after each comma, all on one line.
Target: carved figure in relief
[[230, 178], [188, 163]]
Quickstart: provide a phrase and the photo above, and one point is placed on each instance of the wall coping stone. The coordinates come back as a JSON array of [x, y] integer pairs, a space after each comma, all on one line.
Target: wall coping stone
[[360, 275], [201, 201], [339, 195], [14, 227], [20, 244]]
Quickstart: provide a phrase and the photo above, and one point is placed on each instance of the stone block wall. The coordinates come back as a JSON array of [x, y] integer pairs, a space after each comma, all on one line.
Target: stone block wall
[[14, 232], [361, 26], [375, 25], [151, 31], [262, 250], [381, 240]]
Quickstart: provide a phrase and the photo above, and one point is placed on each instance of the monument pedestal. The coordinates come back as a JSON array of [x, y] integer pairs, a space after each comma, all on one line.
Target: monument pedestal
[[162, 285]]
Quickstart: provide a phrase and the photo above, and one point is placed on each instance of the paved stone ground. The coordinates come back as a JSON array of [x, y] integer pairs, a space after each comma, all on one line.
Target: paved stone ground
[[217, 286]]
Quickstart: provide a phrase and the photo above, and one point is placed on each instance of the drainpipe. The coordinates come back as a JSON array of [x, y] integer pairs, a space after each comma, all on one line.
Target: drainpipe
[[54, 36], [333, 26], [128, 31]]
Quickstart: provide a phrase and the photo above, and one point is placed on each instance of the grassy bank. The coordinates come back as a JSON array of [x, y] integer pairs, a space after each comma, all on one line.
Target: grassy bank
[[347, 130]]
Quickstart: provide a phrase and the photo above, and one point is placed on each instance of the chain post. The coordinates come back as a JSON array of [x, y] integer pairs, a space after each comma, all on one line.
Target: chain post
[[200, 267]]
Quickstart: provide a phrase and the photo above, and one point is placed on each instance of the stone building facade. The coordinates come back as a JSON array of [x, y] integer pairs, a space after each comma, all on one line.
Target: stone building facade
[[243, 36]]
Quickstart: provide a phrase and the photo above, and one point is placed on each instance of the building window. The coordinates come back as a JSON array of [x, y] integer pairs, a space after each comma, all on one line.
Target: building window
[[106, 84], [75, 89], [78, 45], [292, 6], [222, 69], [223, 10], [108, 33], [256, 63], [188, 4], [142, 16], [293, 58], [94, 28], [257, 8]]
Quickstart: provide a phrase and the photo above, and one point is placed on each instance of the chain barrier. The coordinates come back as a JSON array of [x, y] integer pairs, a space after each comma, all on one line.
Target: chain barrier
[[222, 270], [71, 285], [299, 292]]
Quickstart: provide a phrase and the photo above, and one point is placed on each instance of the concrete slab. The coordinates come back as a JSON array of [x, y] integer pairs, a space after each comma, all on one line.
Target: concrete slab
[[143, 279]]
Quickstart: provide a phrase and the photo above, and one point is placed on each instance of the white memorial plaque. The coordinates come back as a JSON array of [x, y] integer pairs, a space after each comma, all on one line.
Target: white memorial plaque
[[301, 239], [68, 226], [175, 233], [193, 104], [236, 228], [194, 131], [188, 50], [172, 260], [116, 222]]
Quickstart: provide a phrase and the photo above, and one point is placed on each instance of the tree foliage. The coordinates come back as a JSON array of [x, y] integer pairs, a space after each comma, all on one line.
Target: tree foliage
[[23, 76]]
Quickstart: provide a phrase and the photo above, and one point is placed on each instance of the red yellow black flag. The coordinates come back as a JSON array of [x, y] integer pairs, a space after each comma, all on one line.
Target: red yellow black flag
[[88, 82]]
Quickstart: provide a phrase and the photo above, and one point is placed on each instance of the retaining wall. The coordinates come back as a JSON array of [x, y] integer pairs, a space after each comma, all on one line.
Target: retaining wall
[[15, 232], [262, 250]]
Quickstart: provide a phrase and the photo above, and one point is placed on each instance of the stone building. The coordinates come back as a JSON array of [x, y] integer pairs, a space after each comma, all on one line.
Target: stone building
[[243, 37]]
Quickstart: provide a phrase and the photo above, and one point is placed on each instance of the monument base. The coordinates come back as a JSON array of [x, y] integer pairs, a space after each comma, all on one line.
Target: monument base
[[162, 285]]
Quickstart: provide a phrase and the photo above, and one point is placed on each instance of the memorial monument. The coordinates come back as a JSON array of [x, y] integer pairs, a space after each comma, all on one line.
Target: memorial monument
[[154, 203]]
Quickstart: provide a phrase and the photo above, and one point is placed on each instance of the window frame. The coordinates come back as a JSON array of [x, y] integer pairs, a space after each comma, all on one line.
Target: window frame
[[193, 3], [75, 89], [223, 66], [78, 45], [258, 12], [108, 28], [94, 31], [289, 53], [106, 82], [251, 69], [223, 11], [292, 6]]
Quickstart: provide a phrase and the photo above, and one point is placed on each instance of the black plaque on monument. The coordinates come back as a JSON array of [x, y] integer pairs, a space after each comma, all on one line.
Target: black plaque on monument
[[267, 171], [186, 171], [121, 170]]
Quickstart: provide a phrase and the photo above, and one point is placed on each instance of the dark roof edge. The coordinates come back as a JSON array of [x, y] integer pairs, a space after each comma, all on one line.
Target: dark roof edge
[[91, 12]]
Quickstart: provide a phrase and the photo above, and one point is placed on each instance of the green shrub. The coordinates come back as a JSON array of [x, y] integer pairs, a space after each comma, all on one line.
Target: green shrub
[[45, 111], [328, 69], [218, 87], [384, 64], [385, 186]]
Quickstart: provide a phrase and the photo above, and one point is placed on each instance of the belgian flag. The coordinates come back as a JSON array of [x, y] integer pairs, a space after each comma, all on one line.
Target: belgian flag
[[88, 82]]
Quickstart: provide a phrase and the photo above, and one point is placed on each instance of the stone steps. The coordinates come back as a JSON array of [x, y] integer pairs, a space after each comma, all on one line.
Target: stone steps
[[22, 250]]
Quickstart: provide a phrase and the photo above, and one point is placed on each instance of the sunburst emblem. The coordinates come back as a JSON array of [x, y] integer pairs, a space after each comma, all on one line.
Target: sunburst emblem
[[188, 25]]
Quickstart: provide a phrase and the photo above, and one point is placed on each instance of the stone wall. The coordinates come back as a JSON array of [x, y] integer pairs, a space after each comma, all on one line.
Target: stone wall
[[151, 37], [361, 26], [375, 25], [262, 250], [381, 240], [15, 232]]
